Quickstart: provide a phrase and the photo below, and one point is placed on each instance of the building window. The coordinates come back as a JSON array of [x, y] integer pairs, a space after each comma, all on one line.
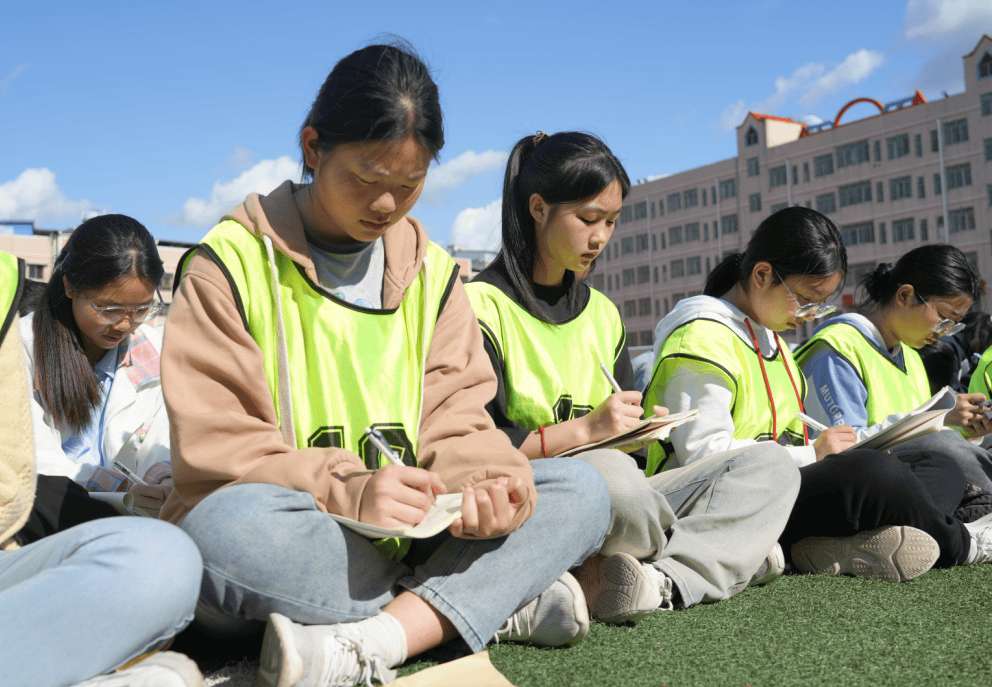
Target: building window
[[806, 172], [664, 273], [918, 145], [862, 232], [616, 250], [854, 194], [626, 215], [643, 274], [655, 274], [921, 188], [988, 149], [675, 235], [644, 308], [899, 188], [958, 176], [641, 242], [750, 138], [777, 176], [956, 132], [795, 175], [988, 190], [779, 206], [641, 210], [630, 308], [627, 245], [692, 231], [985, 66], [986, 104], [728, 224], [693, 265], [728, 189], [674, 202], [934, 142], [713, 194], [902, 230], [878, 193], [936, 184], [662, 235], [38, 272], [878, 151], [628, 276], [707, 264], [661, 208], [898, 146], [706, 231], [823, 165], [597, 282], [654, 242], [752, 166], [924, 230], [691, 197], [678, 268], [826, 203], [881, 232], [652, 209], [703, 194], [961, 220], [852, 154], [754, 202], [647, 337]]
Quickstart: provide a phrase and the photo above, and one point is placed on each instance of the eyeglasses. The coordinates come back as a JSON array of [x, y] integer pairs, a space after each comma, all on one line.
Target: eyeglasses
[[817, 310], [944, 326], [112, 314]]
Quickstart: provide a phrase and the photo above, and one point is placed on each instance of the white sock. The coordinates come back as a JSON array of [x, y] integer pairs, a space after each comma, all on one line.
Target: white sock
[[973, 550], [384, 636]]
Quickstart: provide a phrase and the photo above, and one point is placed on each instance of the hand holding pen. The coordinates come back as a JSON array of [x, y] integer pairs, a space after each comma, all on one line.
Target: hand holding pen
[[397, 495]]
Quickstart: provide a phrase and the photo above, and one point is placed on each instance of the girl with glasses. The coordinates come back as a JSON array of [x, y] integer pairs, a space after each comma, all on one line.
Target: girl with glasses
[[95, 357], [861, 512]]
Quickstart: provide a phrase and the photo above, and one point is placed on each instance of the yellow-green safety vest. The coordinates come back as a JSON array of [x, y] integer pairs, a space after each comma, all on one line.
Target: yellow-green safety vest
[[713, 348], [891, 388], [11, 285], [551, 371], [981, 382], [348, 367]]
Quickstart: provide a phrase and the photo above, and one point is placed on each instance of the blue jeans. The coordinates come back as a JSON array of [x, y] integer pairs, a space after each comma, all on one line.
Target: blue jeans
[[708, 525], [269, 549], [91, 598]]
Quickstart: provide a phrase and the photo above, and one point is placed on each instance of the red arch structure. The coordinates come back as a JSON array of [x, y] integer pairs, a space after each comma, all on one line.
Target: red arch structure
[[881, 108]]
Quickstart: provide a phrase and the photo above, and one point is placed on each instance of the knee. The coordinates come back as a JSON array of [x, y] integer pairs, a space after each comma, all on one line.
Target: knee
[[241, 512], [578, 488]]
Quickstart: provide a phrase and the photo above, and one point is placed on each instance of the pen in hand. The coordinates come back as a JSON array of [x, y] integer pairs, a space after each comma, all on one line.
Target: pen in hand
[[379, 441], [610, 379], [121, 468], [810, 422]]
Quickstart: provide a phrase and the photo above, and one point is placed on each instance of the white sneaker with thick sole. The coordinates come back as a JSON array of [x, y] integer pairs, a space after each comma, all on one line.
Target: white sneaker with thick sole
[[618, 588], [292, 657], [162, 669], [771, 568], [558, 617], [981, 535], [894, 554]]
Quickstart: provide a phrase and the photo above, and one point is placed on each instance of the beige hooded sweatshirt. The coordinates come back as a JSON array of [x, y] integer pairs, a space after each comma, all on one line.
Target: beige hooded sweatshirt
[[223, 419]]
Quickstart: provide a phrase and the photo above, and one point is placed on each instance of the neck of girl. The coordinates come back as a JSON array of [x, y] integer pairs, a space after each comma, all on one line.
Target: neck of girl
[[545, 275], [739, 298], [880, 318]]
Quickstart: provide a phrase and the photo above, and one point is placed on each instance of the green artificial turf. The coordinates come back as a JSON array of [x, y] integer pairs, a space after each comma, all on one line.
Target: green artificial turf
[[799, 630]]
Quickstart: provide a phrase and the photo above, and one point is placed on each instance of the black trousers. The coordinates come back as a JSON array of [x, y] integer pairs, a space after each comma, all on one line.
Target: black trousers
[[847, 493], [59, 504]]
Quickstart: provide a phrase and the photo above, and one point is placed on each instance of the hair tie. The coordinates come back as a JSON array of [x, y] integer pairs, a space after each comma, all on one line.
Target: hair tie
[[540, 138], [738, 260]]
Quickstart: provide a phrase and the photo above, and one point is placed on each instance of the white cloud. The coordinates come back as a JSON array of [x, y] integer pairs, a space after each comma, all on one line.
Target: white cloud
[[812, 119], [855, 68], [262, 178], [7, 80], [241, 159], [478, 228], [34, 195], [457, 171], [932, 20], [731, 117], [786, 86]]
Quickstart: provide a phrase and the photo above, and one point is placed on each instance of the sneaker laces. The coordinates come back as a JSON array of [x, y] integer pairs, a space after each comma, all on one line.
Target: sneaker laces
[[345, 663], [514, 625], [983, 542], [666, 588]]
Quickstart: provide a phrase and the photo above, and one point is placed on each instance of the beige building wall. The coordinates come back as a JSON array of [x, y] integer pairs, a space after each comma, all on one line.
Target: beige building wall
[[921, 172]]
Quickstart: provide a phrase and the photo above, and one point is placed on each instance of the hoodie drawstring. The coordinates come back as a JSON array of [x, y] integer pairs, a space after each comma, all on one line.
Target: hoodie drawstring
[[286, 424], [768, 386]]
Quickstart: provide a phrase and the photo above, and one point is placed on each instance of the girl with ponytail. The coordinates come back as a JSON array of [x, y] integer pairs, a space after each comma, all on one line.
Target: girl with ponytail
[[860, 512], [547, 334]]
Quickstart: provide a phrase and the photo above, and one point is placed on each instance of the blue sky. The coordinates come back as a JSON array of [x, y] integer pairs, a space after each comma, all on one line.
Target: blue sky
[[173, 112]]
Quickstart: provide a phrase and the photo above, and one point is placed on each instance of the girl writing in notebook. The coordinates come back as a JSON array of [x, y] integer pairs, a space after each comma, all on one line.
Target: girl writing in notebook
[[862, 512], [547, 334], [308, 315]]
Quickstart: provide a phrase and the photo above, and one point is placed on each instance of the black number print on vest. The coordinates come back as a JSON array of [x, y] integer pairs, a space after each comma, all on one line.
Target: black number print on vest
[[397, 439], [565, 410], [327, 437]]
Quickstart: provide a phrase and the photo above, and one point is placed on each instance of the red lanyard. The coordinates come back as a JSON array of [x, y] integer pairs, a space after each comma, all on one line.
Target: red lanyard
[[768, 386]]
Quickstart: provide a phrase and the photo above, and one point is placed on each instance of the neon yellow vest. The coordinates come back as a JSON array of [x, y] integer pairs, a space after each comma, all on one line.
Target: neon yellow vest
[[713, 348], [11, 283], [551, 372], [981, 382], [349, 367], [891, 389]]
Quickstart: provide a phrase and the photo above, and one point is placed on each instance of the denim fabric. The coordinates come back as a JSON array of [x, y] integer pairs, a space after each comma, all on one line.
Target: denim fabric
[[91, 598], [707, 526], [269, 549]]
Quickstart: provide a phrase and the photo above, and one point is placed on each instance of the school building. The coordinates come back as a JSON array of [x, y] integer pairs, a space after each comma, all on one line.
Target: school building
[[915, 172]]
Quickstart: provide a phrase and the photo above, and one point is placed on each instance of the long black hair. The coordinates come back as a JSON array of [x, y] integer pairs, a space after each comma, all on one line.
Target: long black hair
[[794, 240], [377, 93], [937, 269], [100, 251], [563, 168]]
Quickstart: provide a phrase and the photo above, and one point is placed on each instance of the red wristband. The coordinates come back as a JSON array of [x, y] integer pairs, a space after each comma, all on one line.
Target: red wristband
[[544, 448]]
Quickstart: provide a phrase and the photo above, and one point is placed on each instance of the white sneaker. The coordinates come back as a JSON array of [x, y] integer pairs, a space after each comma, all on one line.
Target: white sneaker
[[559, 616], [772, 567], [163, 669], [895, 554], [981, 537], [293, 657], [619, 588]]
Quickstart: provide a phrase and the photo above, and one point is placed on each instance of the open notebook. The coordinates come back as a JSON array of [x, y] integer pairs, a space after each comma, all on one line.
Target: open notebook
[[650, 430], [923, 420], [446, 508]]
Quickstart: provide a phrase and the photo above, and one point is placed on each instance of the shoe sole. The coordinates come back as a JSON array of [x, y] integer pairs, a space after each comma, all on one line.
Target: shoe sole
[[622, 591], [579, 608], [776, 567], [893, 554], [280, 664]]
